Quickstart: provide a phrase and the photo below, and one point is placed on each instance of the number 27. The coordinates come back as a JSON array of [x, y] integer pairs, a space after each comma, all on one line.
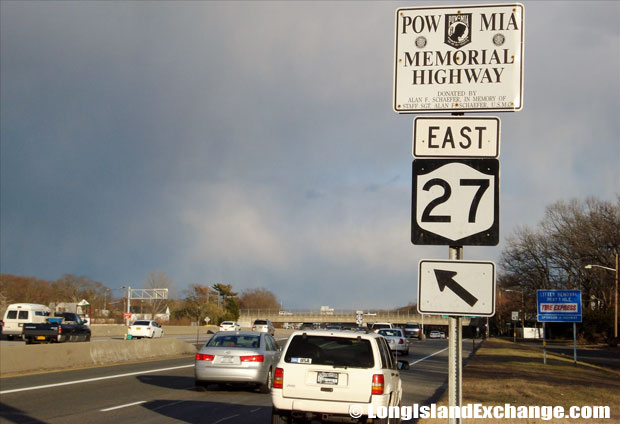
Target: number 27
[[483, 185]]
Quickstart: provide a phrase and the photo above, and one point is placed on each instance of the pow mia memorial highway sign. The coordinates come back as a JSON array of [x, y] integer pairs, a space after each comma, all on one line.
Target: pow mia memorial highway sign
[[459, 59]]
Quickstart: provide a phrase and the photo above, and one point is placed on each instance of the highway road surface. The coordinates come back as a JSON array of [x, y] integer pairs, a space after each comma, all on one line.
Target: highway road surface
[[163, 392]]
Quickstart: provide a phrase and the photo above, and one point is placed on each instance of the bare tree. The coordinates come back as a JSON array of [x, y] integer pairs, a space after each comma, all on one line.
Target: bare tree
[[259, 298], [554, 255], [200, 302]]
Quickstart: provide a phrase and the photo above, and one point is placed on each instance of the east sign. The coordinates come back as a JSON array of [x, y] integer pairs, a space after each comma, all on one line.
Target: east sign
[[459, 59], [456, 137]]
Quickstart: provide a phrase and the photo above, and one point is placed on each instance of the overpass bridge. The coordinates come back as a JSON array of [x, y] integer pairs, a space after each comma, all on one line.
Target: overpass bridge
[[278, 318]]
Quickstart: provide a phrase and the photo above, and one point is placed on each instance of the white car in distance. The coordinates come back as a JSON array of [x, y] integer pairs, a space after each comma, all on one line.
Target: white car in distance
[[229, 326], [143, 328]]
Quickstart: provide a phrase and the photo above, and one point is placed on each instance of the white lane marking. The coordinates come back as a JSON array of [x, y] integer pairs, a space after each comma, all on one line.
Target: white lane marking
[[254, 410], [167, 405], [426, 357], [88, 380], [122, 406], [224, 419]]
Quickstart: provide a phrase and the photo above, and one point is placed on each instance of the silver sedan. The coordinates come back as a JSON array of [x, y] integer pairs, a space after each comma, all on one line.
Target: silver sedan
[[232, 357], [396, 340]]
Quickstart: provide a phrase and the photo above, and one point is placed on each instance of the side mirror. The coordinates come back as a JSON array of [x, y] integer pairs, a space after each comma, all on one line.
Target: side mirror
[[403, 365]]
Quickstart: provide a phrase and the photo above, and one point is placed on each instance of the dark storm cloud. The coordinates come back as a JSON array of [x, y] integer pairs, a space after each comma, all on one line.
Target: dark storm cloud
[[254, 143]]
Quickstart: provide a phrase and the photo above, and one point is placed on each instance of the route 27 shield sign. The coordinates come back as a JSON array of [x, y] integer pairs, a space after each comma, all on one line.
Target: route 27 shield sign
[[455, 202]]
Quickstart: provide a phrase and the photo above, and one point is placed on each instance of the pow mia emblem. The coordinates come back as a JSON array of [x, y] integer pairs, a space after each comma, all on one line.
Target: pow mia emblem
[[458, 30]]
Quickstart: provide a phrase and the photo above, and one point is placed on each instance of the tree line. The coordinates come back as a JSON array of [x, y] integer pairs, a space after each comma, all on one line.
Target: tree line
[[554, 255], [218, 302]]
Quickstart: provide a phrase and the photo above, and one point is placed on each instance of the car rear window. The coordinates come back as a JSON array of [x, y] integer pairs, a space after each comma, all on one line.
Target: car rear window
[[227, 323], [234, 341], [23, 315], [389, 332], [260, 322], [141, 323], [326, 350], [11, 315], [376, 326]]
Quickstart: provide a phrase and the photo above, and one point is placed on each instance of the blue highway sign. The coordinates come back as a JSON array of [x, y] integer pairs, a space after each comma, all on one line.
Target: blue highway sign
[[558, 305]]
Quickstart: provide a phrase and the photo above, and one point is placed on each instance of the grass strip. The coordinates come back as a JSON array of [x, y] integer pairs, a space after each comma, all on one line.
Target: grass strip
[[504, 373]]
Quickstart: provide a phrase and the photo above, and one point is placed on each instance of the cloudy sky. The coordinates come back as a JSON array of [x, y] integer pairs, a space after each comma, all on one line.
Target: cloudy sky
[[254, 143]]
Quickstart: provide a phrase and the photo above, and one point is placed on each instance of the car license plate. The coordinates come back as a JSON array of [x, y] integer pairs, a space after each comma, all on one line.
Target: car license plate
[[40, 337], [327, 378], [137, 328], [227, 360]]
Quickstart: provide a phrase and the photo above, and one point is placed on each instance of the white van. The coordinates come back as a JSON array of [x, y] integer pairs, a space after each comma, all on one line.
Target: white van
[[19, 314]]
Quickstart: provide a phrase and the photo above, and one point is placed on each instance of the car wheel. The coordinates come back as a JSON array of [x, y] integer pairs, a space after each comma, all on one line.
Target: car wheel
[[266, 386], [279, 417]]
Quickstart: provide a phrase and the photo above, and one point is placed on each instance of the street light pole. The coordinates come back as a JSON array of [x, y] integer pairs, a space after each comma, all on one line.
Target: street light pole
[[615, 293], [522, 310]]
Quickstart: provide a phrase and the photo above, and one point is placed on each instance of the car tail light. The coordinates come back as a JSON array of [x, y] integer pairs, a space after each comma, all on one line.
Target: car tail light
[[401, 341], [377, 384], [204, 357], [59, 329], [253, 327], [278, 378], [253, 358]]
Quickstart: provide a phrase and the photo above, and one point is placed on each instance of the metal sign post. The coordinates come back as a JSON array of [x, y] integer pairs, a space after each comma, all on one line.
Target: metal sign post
[[455, 353]]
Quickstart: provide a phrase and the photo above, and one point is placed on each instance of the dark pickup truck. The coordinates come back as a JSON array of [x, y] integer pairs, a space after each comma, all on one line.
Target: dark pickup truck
[[62, 327]]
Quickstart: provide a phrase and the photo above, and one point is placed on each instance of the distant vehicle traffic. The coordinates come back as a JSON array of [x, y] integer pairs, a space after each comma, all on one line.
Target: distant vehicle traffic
[[229, 326], [247, 357], [264, 325], [412, 330], [437, 335], [321, 374], [379, 325], [63, 327], [18, 314], [143, 328], [396, 340]]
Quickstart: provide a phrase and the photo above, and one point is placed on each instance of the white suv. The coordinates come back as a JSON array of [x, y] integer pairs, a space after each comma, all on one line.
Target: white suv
[[325, 374]]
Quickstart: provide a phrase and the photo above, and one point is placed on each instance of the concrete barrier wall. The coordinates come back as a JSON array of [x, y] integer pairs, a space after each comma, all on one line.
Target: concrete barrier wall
[[46, 357], [117, 330]]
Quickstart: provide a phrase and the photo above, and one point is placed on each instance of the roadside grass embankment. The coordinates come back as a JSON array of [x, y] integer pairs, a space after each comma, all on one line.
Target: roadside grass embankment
[[503, 373]]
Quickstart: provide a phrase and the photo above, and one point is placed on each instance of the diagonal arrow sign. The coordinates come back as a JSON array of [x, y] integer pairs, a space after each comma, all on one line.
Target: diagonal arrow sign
[[445, 279]]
